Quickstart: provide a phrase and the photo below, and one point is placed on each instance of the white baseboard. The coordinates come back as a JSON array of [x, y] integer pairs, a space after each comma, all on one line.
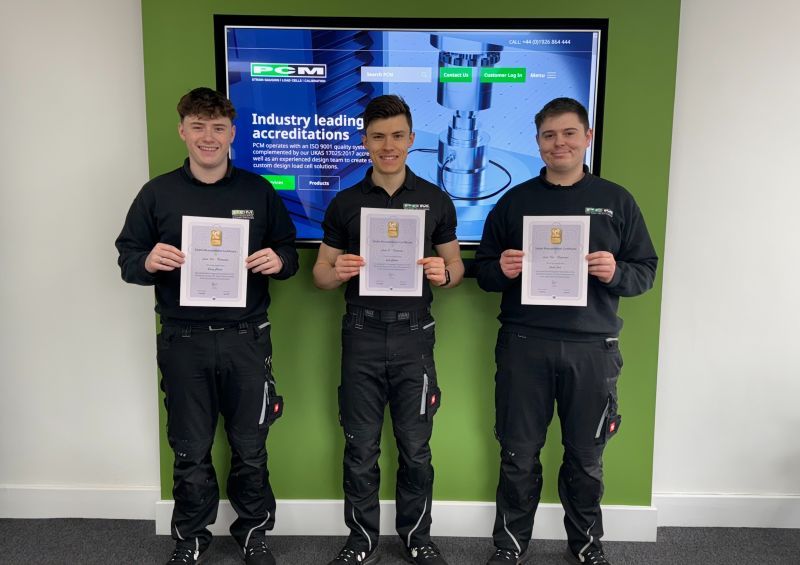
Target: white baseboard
[[458, 519], [727, 510], [58, 501]]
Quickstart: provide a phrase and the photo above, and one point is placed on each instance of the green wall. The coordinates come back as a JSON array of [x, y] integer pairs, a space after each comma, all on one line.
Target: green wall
[[305, 446]]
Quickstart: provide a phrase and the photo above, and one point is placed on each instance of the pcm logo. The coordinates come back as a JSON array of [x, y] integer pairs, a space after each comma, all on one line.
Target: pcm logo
[[288, 70]]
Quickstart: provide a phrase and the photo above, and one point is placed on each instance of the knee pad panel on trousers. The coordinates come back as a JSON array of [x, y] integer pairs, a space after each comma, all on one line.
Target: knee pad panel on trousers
[[415, 469], [248, 447], [194, 482], [189, 450], [521, 476], [582, 474], [248, 473], [361, 452]]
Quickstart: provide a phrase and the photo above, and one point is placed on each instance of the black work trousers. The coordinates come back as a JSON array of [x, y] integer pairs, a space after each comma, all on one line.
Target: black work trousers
[[205, 371], [387, 362], [580, 377]]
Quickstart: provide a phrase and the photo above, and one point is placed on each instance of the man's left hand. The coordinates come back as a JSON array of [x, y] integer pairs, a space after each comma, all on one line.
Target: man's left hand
[[602, 265], [264, 261], [434, 269]]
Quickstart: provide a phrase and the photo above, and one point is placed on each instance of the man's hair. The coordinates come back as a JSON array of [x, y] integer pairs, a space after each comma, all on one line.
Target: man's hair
[[559, 106], [206, 103], [386, 106]]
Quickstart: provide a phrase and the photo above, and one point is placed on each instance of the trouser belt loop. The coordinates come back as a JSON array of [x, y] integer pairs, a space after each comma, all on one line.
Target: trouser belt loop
[[186, 330], [359, 318], [414, 320], [242, 327]]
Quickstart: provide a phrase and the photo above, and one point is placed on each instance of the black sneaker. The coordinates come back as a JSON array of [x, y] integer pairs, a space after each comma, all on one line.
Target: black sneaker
[[427, 554], [183, 555], [506, 556], [350, 556], [593, 556], [257, 553]]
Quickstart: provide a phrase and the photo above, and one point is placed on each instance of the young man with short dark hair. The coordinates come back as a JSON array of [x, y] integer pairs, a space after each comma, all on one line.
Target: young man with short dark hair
[[213, 359], [567, 355], [387, 341]]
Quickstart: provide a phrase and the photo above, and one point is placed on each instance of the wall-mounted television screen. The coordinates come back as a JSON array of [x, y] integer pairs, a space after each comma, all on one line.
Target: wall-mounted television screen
[[300, 86]]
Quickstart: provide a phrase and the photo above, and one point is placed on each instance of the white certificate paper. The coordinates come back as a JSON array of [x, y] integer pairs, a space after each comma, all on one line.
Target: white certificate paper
[[214, 273], [391, 243], [554, 268]]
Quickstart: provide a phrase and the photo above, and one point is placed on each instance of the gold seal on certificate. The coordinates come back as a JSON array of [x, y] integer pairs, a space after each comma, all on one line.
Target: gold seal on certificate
[[554, 267], [214, 273], [216, 237], [393, 228]]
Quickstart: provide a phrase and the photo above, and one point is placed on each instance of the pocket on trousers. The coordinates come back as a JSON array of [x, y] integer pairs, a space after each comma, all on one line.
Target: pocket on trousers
[[271, 402], [431, 397], [609, 423]]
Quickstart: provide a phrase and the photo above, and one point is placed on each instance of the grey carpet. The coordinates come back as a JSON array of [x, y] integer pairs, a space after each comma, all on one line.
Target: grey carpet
[[78, 542]]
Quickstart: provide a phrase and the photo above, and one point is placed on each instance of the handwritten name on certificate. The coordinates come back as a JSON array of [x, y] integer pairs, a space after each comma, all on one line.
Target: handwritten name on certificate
[[214, 273], [391, 243], [554, 268]]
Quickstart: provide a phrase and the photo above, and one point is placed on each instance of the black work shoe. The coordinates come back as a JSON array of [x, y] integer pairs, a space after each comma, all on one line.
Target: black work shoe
[[592, 556], [427, 554], [257, 553], [350, 556], [183, 555], [506, 556]]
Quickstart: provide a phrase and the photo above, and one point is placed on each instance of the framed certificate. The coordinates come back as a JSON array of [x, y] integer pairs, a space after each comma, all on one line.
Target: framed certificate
[[214, 273], [554, 268], [391, 243]]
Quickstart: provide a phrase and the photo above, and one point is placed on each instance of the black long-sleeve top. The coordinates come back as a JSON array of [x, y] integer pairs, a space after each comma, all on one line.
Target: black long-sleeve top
[[616, 225], [156, 216], [342, 228]]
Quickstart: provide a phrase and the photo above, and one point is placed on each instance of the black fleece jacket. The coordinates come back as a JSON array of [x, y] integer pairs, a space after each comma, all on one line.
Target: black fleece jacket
[[616, 225]]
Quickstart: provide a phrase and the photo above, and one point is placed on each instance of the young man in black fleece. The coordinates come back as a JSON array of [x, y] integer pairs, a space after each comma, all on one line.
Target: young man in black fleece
[[565, 354], [213, 359], [387, 341]]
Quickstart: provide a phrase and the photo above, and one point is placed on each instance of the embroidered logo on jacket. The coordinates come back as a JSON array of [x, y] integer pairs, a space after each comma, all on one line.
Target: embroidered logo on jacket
[[416, 206], [242, 214], [600, 211]]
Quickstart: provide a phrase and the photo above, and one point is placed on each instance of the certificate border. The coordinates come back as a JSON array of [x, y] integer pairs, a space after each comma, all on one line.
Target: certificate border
[[363, 283], [527, 261], [244, 228]]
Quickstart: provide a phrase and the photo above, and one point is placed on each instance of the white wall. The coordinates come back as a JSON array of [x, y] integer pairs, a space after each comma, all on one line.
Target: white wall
[[728, 423], [78, 403]]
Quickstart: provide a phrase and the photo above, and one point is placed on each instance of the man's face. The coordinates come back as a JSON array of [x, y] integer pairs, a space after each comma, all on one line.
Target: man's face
[[387, 141], [563, 142], [207, 139]]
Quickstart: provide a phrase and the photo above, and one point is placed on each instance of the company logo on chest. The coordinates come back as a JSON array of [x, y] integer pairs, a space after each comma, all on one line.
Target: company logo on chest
[[242, 214], [408, 206], [599, 211]]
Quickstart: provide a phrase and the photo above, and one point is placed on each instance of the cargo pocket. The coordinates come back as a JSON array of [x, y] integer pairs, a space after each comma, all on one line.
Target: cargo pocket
[[609, 423], [431, 397], [271, 402]]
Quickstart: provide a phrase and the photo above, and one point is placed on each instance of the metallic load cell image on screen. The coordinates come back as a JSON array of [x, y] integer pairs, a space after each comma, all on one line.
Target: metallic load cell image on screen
[[300, 94]]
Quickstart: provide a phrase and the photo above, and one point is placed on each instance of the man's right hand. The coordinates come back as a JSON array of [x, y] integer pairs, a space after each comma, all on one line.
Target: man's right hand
[[511, 263], [164, 257], [347, 266]]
